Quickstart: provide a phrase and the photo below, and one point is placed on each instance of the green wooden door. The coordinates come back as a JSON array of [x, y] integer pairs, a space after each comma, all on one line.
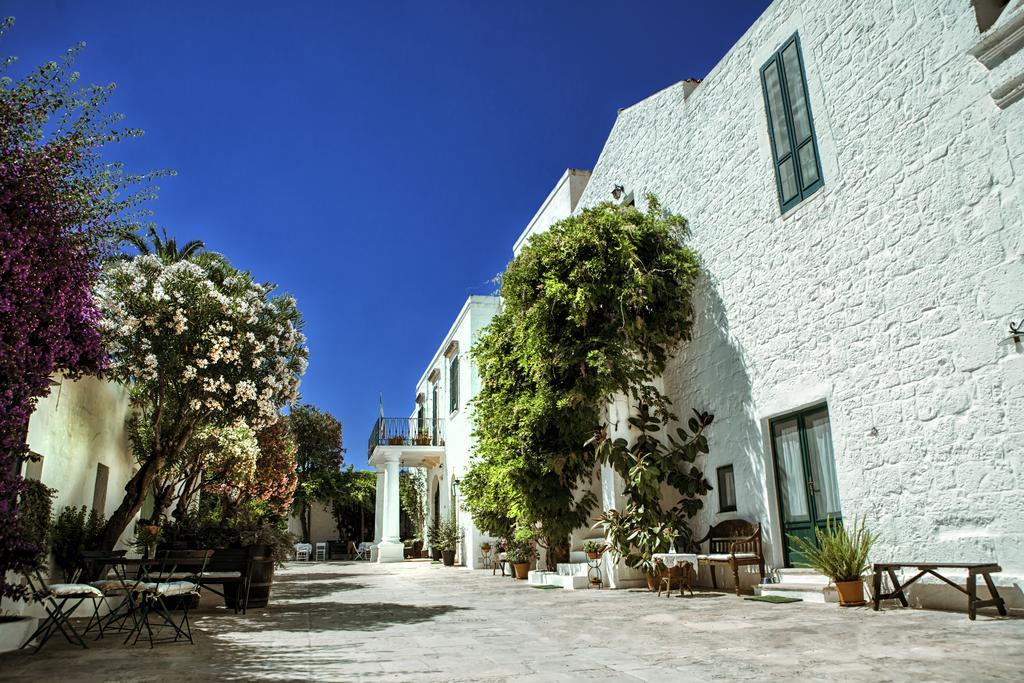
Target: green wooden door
[[805, 476]]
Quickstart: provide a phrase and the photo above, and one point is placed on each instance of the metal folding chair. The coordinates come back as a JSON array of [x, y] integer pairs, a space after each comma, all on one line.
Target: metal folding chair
[[60, 601], [321, 552], [164, 585], [113, 584]]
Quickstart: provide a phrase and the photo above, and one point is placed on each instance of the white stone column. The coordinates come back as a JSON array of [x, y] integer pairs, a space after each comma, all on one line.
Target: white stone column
[[390, 548], [378, 517]]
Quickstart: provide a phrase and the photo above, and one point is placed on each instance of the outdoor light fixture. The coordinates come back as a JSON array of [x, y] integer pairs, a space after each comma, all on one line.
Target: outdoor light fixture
[[1016, 332], [618, 191]]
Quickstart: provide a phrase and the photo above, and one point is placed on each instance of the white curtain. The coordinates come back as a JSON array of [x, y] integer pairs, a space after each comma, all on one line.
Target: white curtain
[[791, 471], [823, 465]]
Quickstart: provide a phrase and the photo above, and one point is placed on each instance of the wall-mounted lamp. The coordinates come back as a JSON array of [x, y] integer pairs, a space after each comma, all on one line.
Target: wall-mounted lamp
[[618, 191], [1016, 332]]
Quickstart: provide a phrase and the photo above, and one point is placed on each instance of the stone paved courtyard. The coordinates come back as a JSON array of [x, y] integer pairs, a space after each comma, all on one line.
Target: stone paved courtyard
[[416, 621]]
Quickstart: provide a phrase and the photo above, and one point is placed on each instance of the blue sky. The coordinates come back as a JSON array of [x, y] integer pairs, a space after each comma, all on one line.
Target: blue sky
[[375, 159]]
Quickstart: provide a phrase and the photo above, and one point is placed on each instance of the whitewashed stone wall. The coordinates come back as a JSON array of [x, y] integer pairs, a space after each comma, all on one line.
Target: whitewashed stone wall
[[885, 293], [458, 426]]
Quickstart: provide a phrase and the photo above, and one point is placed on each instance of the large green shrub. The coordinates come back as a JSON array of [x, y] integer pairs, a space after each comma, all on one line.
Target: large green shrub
[[592, 308], [73, 531]]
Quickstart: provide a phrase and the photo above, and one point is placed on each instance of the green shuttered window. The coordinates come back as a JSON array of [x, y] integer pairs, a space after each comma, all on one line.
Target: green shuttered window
[[790, 125], [453, 384]]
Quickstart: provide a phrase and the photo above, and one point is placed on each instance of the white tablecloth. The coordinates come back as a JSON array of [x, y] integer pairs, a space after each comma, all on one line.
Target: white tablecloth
[[670, 559]]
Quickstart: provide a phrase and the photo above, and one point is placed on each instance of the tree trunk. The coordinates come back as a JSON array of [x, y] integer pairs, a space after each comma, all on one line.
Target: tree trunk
[[161, 498], [187, 495], [305, 516], [558, 551], [134, 495]]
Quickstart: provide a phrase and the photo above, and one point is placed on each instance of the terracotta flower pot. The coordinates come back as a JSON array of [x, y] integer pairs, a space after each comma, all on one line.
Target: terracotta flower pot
[[522, 569], [851, 593], [594, 556]]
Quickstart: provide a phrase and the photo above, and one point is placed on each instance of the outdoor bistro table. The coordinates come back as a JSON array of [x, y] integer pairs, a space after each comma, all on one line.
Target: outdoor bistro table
[[672, 559]]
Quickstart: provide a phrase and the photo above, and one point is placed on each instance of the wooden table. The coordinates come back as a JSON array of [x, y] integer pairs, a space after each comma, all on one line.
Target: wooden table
[[974, 569]]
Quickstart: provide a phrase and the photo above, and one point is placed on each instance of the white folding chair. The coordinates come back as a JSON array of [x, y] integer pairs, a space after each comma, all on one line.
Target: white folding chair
[[321, 552], [302, 551], [363, 551]]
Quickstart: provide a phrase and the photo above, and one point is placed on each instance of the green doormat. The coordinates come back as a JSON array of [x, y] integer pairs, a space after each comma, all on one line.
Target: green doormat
[[774, 599], [545, 587]]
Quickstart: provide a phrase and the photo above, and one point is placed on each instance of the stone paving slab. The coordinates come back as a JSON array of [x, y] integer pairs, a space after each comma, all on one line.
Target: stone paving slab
[[417, 621]]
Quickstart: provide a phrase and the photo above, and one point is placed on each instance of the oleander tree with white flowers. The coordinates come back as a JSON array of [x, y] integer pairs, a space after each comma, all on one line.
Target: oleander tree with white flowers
[[201, 345]]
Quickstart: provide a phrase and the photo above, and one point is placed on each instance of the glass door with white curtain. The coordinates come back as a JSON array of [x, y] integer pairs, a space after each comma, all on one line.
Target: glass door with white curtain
[[805, 476]]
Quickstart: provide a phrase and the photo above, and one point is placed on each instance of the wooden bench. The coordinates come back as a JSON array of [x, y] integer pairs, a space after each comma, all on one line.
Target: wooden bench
[[985, 569], [735, 543]]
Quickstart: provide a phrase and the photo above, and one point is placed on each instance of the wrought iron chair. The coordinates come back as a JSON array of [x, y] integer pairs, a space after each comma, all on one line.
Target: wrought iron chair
[[160, 587], [60, 601]]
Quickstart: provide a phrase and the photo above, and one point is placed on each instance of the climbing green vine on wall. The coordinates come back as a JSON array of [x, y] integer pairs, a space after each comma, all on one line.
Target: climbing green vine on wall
[[592, 308]]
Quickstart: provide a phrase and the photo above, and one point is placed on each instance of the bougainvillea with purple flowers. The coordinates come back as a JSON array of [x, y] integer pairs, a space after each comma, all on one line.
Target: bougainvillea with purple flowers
[[60, 210]]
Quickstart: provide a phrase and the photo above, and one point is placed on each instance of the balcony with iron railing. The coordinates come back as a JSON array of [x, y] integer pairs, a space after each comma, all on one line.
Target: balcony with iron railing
[[408, 432]]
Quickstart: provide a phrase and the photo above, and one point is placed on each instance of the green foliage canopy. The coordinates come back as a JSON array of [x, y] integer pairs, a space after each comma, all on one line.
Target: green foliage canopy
[[592, 308]]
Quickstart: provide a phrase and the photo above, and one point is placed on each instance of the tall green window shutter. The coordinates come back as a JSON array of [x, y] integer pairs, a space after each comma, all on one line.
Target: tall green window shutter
[[790, 125], [453, 384]]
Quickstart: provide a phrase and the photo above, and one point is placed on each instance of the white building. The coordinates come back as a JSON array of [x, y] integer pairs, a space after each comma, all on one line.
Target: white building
[[853, 317], [442, 411], [852, 323]]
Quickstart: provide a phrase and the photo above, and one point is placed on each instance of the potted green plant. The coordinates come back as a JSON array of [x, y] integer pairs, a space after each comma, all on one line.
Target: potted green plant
[[434, 540], [450, 535], [423, 438], [485, 546], [841, 554], [520, 553], [396, 440], [593, 549], [72, 531]]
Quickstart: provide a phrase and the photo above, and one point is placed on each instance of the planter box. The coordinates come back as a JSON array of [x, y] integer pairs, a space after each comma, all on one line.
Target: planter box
[[14, 631]]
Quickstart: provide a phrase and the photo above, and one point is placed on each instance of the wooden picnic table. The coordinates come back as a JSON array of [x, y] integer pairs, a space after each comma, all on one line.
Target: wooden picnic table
[[974, 569]]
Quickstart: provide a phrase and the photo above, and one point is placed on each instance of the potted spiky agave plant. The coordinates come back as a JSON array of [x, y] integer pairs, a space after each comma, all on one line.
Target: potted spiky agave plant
[[841, 554]]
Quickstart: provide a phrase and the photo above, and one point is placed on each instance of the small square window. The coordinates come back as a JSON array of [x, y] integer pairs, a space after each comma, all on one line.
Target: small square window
[[726, 489], [99, 491]]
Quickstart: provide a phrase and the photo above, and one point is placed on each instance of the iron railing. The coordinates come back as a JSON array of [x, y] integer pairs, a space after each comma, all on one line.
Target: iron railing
[[406, 431]]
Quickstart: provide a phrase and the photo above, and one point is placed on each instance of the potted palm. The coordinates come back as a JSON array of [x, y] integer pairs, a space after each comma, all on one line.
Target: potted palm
[[450, 535], [841, 554], [434, 540]]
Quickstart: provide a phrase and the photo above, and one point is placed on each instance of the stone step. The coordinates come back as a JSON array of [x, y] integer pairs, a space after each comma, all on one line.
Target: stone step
[[808, 592], [573, 568], [544, 578], [577, 556], [802, 576]]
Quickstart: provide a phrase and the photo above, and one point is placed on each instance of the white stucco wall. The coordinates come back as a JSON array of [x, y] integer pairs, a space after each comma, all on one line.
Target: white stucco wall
[[885, 294], [77, 427], [458, 428], [559, 204]]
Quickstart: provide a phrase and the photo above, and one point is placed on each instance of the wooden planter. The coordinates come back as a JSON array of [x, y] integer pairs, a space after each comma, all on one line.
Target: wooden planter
[[448, 557], [262, 581], [522, 569], [851, 593]]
